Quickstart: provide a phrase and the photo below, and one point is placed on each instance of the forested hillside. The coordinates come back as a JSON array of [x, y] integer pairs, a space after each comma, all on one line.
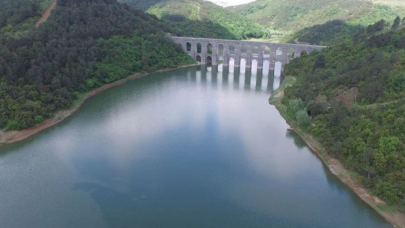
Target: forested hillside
[[83, 44], [351, 96], [18, 17], [288, 16], [198, 18], [334, 31]]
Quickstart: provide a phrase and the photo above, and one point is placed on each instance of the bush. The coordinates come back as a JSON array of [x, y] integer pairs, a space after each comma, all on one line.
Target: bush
[[387, 191], [294, 106], [38, 119], [316, 108], [303, 118], [12, 125]]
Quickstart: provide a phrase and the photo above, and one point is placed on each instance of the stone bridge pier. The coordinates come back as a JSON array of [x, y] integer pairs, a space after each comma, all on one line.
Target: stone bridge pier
[[213, 51]]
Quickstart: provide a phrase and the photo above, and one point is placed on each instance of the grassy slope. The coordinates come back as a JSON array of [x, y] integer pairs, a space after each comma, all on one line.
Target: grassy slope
[[195, 16], [287, 16]]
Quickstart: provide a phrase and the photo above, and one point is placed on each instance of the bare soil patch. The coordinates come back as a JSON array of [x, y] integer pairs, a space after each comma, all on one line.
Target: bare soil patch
[[46, 14]]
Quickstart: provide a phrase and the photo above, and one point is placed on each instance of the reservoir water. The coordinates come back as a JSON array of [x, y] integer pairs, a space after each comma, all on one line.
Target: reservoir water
[[190, 148]]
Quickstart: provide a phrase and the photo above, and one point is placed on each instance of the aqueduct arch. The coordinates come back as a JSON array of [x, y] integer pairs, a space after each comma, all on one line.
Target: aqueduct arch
[[204, 49]]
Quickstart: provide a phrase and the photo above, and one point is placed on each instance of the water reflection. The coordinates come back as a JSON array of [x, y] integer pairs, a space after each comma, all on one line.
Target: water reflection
[[224, 77], [195, 147], [242, 68], [297, 140]]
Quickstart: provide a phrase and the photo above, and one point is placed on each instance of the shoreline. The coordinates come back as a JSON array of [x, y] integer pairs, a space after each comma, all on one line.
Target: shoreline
[[11, 137], [397, 219]]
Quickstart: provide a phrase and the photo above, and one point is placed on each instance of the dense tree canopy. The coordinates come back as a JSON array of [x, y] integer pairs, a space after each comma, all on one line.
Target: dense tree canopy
[[18, 17], [84, 44], [327, 33], [361, 79]]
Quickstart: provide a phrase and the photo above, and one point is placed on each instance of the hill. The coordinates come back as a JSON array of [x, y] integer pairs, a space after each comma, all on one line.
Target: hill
[[200, 18], [350, 97], [284, 17], [83, 45]]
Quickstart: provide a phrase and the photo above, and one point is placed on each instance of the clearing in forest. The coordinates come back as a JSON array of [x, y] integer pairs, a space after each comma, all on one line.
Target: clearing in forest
[[46, 14]]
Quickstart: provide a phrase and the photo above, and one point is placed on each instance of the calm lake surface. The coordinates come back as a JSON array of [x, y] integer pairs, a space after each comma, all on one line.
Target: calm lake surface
[[190, 148]]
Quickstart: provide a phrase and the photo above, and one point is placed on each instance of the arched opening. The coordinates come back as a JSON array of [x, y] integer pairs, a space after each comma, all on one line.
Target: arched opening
[[255, 50], [243, 65], [231, 65], [243, 50], [291, 54], [279, 54], [232, 49], [209, 60], [279, 51], [220, 49], [199, 47], [188, 46], [304, 53], [277, 69], [198, 58], [267, 51], [209, 48]]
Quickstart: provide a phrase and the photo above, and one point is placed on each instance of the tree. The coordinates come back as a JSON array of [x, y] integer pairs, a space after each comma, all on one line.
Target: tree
[[316, 108], [303, 118], [373, 90], [396, 23], [387, 191], [378, 26], [320, 61], [294, 106]]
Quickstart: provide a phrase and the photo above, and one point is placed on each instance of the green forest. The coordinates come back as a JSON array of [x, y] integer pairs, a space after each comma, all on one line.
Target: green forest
[[351, 97], [83, 45], [198, 18], [18, 17]]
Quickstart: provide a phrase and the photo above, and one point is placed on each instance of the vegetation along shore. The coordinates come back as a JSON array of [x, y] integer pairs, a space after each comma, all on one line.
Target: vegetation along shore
[[10, 137], [349, 178]]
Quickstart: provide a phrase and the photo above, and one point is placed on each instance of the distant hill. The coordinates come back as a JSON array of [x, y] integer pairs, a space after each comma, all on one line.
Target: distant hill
[[200, 18], [288, 16]]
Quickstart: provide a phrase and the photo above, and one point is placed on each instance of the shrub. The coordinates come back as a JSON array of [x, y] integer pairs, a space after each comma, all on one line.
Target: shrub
[[294, 106], [303, 118], [12, 125]]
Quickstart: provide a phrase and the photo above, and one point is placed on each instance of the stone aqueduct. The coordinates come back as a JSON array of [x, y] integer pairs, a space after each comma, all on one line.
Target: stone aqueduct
[[212, 51]]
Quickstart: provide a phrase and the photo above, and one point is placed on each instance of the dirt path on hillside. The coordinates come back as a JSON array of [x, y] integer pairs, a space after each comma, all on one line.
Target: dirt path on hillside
[[46, 14], [302, 43]]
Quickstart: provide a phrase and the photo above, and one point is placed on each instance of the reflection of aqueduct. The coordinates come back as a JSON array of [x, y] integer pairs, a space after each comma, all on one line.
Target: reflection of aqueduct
[[212, 51]]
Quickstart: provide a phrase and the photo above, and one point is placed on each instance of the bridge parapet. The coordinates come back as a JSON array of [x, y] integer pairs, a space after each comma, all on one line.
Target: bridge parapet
[[213, 50]]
